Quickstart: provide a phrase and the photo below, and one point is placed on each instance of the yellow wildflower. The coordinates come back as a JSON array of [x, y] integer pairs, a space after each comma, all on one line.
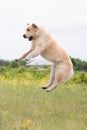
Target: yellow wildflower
[[27, 123]]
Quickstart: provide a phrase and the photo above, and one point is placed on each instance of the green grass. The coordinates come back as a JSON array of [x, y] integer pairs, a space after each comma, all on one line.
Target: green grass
[[63, 109]]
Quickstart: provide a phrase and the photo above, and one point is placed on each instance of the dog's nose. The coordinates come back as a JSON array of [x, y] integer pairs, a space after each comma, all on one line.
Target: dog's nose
[[24, 36]]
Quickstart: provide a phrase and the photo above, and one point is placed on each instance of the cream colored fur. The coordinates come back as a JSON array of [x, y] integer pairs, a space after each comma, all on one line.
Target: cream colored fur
[[43, 44]]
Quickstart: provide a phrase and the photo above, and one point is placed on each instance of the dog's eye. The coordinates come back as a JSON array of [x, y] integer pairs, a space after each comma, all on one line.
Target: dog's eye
[[28, 29]]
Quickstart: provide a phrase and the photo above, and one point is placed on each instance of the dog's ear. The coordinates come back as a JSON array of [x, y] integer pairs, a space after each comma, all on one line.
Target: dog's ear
[[34, 26]]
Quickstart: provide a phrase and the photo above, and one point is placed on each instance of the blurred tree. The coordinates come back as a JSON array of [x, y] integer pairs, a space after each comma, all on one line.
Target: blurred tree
[[79, 64], [13, 64]]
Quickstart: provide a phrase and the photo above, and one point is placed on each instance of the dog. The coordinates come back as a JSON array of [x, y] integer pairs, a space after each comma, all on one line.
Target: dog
[[43, 44]]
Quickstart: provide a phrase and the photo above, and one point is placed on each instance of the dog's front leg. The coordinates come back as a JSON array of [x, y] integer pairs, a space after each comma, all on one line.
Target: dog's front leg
[[24, 55], [33, 54]]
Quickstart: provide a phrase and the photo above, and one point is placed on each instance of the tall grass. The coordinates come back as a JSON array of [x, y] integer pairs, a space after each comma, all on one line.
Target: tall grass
[[25, 106], [28, 107]]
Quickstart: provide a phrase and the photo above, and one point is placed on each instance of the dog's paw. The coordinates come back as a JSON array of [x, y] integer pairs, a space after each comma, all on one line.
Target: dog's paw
[[44, 87], [16, 59], [48, 90], [26, 59]]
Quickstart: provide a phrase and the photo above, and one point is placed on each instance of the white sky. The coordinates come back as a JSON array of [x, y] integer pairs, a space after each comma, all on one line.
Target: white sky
[[65, 19]]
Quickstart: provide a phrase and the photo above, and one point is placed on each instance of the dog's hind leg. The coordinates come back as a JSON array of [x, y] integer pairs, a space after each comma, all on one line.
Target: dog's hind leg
[[52, 76], [62, 74], [56, 83]]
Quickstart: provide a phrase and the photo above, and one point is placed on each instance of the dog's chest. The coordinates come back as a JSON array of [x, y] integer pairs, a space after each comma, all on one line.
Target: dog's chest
[[48, 55]]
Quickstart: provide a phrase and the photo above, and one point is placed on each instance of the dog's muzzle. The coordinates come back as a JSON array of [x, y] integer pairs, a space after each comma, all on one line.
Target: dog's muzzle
[[29, 38]]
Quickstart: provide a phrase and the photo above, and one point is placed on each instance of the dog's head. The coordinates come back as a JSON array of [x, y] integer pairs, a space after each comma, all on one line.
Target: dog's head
[[31, 32]]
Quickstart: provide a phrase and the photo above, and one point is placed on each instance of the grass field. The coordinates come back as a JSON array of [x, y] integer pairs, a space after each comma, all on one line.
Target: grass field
[[28, 107]]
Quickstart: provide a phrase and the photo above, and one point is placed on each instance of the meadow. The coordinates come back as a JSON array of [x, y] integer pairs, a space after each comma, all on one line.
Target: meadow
[[25, 106]]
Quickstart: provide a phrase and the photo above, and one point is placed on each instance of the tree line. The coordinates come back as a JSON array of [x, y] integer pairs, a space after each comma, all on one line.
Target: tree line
[[78, 64]]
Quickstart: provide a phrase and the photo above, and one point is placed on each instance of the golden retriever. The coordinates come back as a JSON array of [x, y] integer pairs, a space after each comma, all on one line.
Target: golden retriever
[[43, 44]]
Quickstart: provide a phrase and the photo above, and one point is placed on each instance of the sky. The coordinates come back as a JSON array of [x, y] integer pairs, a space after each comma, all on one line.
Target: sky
[[66, 20]]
